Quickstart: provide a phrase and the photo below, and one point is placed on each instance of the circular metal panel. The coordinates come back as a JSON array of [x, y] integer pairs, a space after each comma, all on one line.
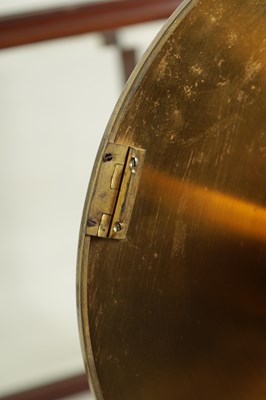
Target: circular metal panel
[[177, 310]]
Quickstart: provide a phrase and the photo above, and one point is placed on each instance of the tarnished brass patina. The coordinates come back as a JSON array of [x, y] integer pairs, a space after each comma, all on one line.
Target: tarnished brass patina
[[177, 310]]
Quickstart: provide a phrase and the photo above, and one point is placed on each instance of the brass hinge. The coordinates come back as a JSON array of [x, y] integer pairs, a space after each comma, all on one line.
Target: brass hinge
[[115, 191]]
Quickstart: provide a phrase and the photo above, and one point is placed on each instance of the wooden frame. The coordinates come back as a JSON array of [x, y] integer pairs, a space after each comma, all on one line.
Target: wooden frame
[[53, 391], [16, 30]]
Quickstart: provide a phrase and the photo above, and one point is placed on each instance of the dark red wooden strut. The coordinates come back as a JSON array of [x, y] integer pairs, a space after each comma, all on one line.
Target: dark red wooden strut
[[53, 391], [16, 30]]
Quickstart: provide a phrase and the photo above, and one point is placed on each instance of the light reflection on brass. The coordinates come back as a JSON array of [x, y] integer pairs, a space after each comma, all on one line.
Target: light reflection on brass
[[178, 309], [213, 208]]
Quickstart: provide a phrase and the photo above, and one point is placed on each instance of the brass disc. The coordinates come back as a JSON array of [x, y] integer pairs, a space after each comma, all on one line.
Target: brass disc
[[177, 310]]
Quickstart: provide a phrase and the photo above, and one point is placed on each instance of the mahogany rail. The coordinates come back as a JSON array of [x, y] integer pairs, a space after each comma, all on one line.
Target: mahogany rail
[[16, 30], [53, 391]]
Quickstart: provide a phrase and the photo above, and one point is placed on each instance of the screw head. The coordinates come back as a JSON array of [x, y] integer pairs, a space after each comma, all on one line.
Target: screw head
[[118, 227], [92, 222], [133, 163], [108, 157]]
